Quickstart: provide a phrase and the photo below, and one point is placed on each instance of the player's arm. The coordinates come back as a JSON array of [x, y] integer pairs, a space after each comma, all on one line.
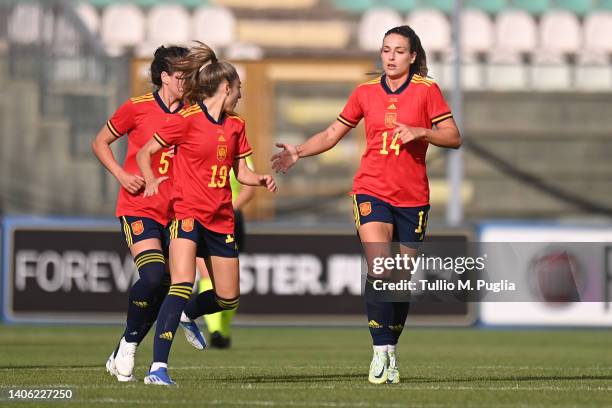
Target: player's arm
[[143, 158], [445, 134], [249, 178], [316, 144], [245, 195], [101, 148]]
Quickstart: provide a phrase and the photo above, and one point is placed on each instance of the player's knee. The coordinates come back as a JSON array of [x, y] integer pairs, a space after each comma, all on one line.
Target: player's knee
[[151, 266], [228, 304]]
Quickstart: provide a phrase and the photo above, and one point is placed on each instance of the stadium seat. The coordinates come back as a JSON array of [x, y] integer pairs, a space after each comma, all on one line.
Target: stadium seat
[[169, 24], [593, 72], [433, 29], [549, 72], [373, 25], [505, 72], [597, 29], [24, 24], [66, 37], [472, 72], [216, 26], [560, 32], [579, 7], [535, 7], [446, 6], [515, 32], [488, 6], [89, 15], [476, 31], [355, 6], [123, 25], [400, 5]]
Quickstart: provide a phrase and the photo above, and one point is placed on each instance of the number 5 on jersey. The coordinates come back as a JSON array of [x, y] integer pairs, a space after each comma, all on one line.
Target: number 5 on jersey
[[164, 162]]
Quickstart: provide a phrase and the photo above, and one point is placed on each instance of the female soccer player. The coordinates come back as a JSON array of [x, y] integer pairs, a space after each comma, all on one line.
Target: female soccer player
[[210, 140], [143, 219], [390, 190]]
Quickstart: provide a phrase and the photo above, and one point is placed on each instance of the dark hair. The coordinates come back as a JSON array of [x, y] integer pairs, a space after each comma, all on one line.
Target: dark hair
[[203, 73], [419, 66], [164, 60]]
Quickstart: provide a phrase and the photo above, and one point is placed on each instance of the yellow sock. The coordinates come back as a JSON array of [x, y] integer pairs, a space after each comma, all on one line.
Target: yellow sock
[[213, 321], [226, 321]]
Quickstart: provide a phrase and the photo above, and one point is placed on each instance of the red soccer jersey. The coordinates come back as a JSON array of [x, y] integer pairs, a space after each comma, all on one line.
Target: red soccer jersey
[[140, 117], [389, 170], [206, 150]]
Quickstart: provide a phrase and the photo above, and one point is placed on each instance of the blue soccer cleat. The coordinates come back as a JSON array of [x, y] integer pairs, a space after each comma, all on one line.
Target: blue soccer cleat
[[193, 334], [159, 377]]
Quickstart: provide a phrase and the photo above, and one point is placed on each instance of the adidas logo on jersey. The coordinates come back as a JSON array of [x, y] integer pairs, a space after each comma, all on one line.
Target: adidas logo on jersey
[[140, 304], [392, 107]]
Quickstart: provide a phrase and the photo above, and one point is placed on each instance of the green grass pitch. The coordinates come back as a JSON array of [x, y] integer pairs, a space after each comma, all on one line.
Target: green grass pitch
[[312, 367]]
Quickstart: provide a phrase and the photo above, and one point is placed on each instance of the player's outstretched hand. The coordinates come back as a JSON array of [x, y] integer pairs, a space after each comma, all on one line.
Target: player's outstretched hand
[[152, 187], [408, 133], [131, 182], [283, 160], [268, 181]]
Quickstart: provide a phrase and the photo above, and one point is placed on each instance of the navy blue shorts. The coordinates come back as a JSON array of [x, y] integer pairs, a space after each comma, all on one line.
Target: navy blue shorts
[[136, 229], [209, 243], [409, 223]]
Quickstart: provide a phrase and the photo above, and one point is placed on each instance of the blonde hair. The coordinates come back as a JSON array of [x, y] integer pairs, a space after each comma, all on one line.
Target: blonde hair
[[203, 73]]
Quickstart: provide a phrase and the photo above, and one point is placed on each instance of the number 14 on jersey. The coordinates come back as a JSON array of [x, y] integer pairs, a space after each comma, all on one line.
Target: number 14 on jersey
[[393, 146]]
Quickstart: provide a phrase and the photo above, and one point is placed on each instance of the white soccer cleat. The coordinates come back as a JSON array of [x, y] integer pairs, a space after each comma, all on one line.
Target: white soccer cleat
[[393, 376], [111, 368], [124, 360], [378, 368]]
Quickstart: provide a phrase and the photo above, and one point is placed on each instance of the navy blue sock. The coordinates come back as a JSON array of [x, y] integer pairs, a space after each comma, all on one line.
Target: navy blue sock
[[153, 310], [398, 320], [379, 317], [168, 319], [151, 268], [208, 302]]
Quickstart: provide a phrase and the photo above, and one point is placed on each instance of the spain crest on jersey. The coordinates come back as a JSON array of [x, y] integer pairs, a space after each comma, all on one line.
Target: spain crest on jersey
[[365, 209], [390, 118], [137, 227], [187, 224], [221, 152]]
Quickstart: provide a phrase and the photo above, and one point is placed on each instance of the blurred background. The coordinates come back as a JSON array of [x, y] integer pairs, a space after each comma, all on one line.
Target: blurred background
[[530, 83]]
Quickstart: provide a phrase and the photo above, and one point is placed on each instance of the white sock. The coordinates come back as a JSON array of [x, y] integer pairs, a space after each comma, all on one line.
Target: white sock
[[184, 318], [380, 348], [391, 347], [156, 366]]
